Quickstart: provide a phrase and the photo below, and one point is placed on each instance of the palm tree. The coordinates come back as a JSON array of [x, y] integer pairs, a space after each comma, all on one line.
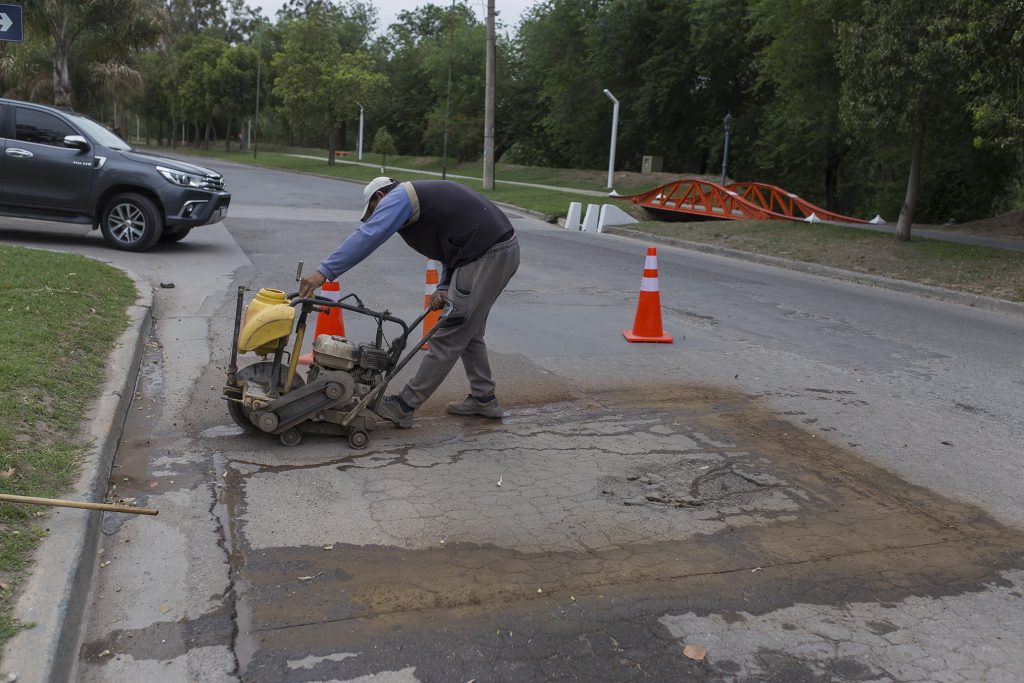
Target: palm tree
[[92, 31]]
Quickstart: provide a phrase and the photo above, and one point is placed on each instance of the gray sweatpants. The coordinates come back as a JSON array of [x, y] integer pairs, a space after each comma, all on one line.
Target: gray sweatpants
[[474, 289]]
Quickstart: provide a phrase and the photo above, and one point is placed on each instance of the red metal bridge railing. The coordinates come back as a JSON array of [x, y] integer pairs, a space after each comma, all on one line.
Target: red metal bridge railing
[[736, 201]]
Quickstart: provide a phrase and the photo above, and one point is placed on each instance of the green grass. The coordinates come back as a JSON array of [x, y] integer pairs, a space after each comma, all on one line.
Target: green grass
[[549, 202], [61, 315], [979, 270]]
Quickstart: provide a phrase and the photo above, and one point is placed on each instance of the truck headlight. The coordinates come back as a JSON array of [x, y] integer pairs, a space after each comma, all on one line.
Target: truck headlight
[[180, 177]]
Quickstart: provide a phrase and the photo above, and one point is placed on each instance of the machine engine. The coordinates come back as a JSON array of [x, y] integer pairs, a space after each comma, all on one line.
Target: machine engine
[[364, 362]]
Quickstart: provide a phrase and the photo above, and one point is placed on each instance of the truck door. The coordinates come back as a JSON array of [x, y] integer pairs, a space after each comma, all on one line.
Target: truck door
[[39, 171]]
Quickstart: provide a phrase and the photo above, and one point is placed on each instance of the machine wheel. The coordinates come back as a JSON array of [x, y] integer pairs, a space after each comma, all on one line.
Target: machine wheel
[[175, 234], [240, 415], [260, 374], [131, 222], [358, 439], [291, 437]]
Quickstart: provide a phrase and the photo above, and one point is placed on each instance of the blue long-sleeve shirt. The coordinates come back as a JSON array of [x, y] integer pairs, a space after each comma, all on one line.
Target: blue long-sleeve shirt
[[392, 212]]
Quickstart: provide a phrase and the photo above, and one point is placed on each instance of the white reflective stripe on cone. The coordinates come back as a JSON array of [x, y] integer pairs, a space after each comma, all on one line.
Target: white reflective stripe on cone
[[429, 289], [651, 263], [328, 294], [649, 284], [433, 265]]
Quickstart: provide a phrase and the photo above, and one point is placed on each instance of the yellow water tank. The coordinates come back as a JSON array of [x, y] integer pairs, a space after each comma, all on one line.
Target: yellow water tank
[[268, 318], [264, 298]]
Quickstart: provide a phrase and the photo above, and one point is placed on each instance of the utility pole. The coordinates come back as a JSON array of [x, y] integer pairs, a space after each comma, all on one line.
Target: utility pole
[[489, 103], [448, 99]]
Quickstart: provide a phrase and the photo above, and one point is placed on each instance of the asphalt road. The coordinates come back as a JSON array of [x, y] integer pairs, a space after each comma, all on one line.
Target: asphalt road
[[816, 481]]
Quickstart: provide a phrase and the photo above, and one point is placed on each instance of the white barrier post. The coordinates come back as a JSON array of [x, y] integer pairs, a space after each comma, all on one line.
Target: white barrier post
[[572, 220], [590, 220], [613, 215]]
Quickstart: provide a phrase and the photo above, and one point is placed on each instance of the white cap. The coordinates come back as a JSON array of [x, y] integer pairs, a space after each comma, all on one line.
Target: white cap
[[378, 183]]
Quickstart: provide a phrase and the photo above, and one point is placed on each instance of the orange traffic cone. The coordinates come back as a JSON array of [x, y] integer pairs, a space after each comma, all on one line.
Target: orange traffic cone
[[330, 322], [647, 324], [428, 293]]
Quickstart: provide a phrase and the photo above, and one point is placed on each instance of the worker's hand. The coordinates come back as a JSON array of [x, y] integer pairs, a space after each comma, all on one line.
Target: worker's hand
[[437, 300], [310, 283]]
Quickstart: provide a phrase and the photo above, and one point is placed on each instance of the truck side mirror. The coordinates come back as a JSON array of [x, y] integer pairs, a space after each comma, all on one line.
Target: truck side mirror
[[76, 141]]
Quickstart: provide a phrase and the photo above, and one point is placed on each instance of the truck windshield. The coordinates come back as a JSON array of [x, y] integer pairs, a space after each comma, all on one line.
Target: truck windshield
[[98, 133]]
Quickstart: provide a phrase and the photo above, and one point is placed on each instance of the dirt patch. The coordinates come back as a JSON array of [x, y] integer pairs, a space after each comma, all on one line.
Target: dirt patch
[[1007, 226], [843, 530]]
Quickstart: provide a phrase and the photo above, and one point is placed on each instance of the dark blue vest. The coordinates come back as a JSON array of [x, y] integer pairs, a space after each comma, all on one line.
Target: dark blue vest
[[451, 223]]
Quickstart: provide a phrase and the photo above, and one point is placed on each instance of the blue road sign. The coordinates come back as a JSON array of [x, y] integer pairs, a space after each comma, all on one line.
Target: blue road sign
[[12, 28]]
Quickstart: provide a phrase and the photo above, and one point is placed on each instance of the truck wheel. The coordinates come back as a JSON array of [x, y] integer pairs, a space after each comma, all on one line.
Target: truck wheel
[[131, 222], [175, 234]]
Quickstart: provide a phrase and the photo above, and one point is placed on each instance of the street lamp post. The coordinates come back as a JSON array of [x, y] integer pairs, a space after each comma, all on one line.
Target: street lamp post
[[615, 130], [259, 64], [360, 150], [727, 124]]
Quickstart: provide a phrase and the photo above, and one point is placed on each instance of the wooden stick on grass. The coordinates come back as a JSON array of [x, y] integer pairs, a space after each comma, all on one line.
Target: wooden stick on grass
[[85, 505]]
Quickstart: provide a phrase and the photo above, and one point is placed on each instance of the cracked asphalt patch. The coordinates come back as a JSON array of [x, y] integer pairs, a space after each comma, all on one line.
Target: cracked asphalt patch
[[626, 525], [623, 520]]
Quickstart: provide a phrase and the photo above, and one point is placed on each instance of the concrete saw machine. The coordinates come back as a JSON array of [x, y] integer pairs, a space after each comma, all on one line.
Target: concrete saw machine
[[344, 383]]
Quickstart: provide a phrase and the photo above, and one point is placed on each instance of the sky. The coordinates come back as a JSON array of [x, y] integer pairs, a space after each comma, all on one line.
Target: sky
[[509, 11]]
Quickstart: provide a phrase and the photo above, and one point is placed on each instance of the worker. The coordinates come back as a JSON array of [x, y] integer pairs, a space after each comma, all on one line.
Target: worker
[[477, 247]]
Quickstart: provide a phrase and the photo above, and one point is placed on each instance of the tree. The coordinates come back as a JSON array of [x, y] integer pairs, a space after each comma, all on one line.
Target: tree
[[318, 82], [989, 46], [415, 56], [110, 27], [234, 77], [198, 97], [384, 144], [117, 81], [156, 102], [802, 142], [190, 17], [900, 77], [555, 50]]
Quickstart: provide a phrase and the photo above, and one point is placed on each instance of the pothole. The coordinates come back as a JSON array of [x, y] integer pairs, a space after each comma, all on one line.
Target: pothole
[[692, 486]]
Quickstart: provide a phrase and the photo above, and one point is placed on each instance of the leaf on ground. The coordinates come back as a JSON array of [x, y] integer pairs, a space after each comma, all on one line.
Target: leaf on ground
[[8, 473], [329, 547], [695, 652], [4, 586], [165, 607]]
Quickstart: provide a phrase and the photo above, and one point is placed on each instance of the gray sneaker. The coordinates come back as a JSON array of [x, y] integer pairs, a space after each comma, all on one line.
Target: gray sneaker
[[472, 406], [391, 410]]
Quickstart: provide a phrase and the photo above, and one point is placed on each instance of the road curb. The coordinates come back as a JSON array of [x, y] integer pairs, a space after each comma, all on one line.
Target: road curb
[[928, 291], [546, 217], [55, 595]]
